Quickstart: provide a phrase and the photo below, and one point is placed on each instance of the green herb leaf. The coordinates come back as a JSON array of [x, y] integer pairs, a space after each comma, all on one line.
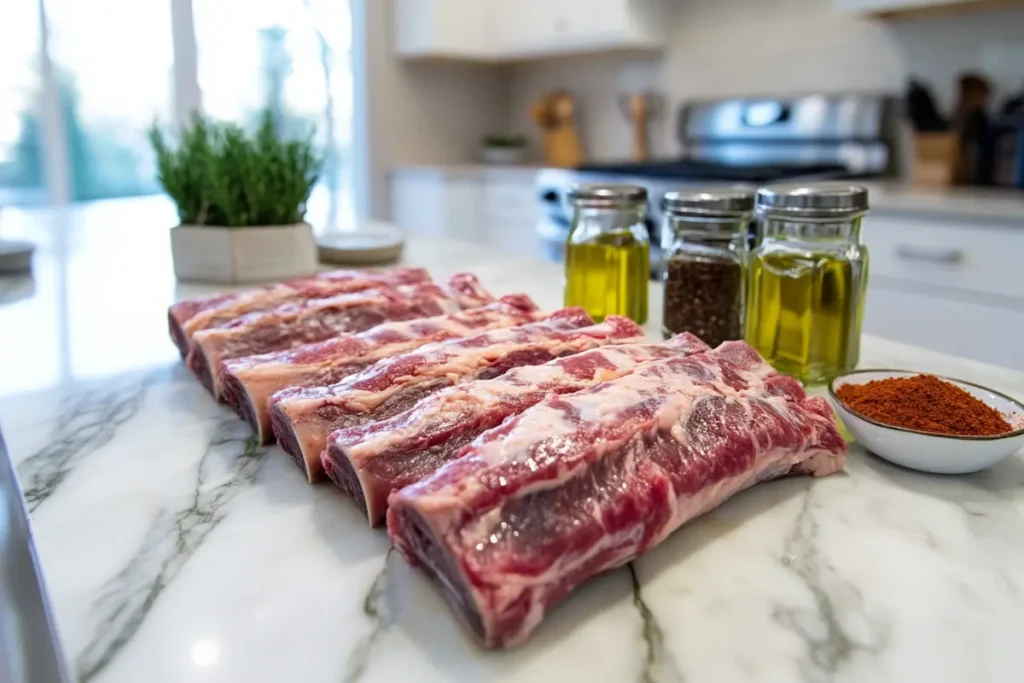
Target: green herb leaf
[[218, 174]]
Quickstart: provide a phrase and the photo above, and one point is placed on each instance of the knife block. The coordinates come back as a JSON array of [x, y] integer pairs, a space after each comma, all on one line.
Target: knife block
[[936, 159]]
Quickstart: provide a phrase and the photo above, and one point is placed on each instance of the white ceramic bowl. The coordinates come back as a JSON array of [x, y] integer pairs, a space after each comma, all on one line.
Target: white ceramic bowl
[[937, 453]]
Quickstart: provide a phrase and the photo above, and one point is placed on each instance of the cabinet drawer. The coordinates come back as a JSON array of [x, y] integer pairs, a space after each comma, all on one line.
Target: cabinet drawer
[[953, 255], [515, 237], [510, 201], [972, 330]]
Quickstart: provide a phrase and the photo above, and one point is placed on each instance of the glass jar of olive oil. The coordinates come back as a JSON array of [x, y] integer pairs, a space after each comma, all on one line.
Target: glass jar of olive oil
[[608, 251], [807, 279]]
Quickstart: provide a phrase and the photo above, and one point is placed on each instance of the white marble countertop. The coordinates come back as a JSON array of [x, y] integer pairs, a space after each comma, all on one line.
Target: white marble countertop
[[176, 551]]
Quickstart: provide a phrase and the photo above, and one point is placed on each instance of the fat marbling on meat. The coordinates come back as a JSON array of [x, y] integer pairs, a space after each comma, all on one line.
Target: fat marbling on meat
[[580, 484]]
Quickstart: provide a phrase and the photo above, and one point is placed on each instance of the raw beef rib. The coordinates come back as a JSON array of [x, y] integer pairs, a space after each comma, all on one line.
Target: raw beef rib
[[185, 318], [371, 460], [303, 418], [247, 383], [316, 320], [579, 484]]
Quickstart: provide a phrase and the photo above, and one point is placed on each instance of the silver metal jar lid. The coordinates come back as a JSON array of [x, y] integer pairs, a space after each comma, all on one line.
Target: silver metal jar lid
[[820, 201], [607, 196], [724, 202]]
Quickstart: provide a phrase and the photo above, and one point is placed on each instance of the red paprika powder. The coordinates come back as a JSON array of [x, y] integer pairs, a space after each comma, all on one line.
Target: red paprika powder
[[925, 403]]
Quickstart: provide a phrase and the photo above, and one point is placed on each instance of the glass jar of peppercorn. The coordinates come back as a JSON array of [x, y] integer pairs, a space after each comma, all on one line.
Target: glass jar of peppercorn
[[705, 248]]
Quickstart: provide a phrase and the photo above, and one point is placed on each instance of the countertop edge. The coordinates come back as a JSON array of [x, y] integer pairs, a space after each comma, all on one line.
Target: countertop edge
[[29, 641]]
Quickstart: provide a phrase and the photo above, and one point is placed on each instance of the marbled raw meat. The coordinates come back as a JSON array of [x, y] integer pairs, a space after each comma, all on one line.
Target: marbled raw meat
[[369, 461], [315, 320], [247, 383], [580, 484], [185, 318], [303, 418]]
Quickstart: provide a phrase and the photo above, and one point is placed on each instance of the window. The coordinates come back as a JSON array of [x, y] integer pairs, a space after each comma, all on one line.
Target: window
[[79, 92], [112, 84], [21, 153], [294, 57]]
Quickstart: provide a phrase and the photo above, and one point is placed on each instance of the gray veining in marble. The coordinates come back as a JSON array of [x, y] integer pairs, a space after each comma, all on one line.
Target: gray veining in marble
[[85, 422], [835, 628], [176, 550], [658, 665], [230, 462], [379, 607]]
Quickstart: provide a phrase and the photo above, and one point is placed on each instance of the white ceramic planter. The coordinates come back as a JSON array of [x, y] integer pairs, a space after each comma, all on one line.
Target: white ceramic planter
[[237, 255], [503, 156]]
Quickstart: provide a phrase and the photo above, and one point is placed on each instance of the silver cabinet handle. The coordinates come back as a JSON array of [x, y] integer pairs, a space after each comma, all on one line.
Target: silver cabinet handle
[[914, 253]]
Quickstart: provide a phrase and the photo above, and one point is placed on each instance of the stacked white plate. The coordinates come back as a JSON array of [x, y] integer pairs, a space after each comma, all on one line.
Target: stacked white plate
[[369, 243], [15, 256]]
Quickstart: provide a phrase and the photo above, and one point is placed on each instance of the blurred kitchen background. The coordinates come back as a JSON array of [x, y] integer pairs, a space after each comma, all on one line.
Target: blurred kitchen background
[[471, 118]]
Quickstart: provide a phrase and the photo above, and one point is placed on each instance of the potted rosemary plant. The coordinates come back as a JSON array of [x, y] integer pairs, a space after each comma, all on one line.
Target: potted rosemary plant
[[241, 200]]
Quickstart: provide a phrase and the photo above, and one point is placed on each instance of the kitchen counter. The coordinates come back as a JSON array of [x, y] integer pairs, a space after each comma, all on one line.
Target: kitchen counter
[[995, 204], [527, 168], [176, 550]]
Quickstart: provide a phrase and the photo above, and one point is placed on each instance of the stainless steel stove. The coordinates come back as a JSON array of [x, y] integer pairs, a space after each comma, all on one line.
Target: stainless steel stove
[[741, 142]]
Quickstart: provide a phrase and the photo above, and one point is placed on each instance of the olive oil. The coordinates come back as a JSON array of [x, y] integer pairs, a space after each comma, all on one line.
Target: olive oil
[[805, 310], [807, 279], [608, 274], [608, 252]]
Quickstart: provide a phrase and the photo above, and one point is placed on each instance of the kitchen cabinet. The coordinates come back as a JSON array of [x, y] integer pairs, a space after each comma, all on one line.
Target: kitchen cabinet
[[492, 31], [949, 283], [436, 203], [971, 328], [496, 207], [442, 28], [899, 6], [956, 254]]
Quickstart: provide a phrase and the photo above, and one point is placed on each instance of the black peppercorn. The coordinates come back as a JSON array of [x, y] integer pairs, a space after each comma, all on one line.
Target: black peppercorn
[[705, 266], [704, 295]]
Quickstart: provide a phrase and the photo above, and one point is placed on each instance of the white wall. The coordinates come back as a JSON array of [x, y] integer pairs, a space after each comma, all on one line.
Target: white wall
[[737, 47], [412, 113]]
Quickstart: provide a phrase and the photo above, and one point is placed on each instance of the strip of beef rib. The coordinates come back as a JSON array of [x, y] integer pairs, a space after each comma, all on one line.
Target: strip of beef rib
[[372, 460], [316, 320], [247, 383], [303, 418], [185, 318], [580, 484]]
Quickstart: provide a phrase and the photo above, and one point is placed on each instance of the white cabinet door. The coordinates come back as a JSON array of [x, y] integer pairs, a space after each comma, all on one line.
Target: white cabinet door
[[442, 28], [491, 207], [462, 207], [960, 327], [609, 24], [515, 237], [957, 254], [526, 27], [583, 24], [872, 6], [417, 202], [508, 30], [430, 202], [510, 211]]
